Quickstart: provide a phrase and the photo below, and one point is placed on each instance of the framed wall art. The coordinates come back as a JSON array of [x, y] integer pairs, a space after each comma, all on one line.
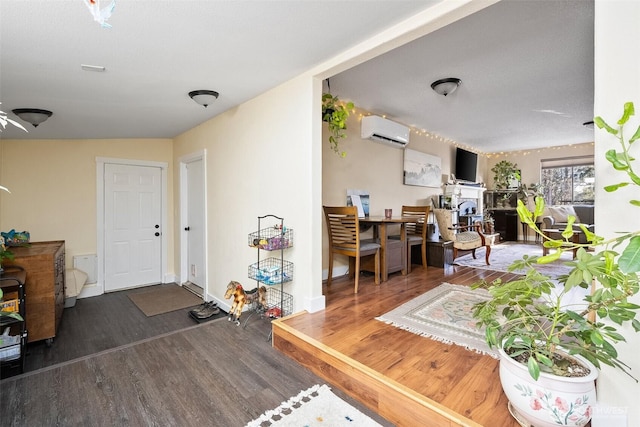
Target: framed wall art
[[422, 169]]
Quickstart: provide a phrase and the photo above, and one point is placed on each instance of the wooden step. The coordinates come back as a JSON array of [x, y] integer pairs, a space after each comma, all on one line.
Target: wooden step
[[393, 401]]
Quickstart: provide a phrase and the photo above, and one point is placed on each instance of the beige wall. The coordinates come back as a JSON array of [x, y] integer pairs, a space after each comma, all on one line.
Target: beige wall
[[529, 160], [616, 60], [53, 187], [377, 168], [259, 162], [529, 163]]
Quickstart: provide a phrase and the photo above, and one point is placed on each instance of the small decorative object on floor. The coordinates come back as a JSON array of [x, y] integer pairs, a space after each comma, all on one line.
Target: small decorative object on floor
[[235, 290], [256, 296], [316, 406]]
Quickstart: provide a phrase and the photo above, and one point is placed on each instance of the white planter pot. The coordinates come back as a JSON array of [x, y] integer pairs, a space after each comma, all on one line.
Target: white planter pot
[[552, 400]]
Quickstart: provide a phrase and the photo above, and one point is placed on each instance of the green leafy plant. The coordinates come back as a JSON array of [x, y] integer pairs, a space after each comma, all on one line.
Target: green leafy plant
[[4, 120], [503, 173], [335, 114], [529, 317], [533, 191], [6, 254]]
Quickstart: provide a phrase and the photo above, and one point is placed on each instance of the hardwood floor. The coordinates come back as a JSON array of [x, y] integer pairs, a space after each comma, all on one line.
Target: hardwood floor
[[408, 379], [100, 323], [212, 374]]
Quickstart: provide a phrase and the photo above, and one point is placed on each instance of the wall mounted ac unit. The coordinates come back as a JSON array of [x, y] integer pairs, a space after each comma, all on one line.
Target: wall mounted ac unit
[[384, 130]]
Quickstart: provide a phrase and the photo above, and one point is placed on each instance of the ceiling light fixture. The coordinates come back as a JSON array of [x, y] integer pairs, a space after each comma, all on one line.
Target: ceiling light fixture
[[35, 116], [446, 86], [203, 97], [98, 68]]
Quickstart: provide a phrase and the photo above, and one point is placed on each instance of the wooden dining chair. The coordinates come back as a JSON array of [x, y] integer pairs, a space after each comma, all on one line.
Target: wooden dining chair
[[416, 231], [344, 239]]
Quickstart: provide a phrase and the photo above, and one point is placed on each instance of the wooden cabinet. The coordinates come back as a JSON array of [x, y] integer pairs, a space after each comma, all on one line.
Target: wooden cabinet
[[439, 253], [44, 263], [395, 256], [506, 223]]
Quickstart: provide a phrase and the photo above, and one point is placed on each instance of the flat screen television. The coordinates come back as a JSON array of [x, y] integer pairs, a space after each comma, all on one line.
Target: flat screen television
[[466, 165]]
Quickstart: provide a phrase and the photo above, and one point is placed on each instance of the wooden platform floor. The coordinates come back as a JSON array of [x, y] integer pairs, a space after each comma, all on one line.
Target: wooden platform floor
[[408, 379]]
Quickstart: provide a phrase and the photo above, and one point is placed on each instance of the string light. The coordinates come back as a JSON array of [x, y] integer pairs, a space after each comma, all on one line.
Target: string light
[[435, 137]]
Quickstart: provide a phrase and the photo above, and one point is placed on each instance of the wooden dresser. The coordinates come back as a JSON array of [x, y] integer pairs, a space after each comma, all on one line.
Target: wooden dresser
[[44, 263]]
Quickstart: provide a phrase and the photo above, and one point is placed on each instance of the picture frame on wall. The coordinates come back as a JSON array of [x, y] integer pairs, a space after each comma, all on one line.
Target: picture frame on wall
[[422, 169]]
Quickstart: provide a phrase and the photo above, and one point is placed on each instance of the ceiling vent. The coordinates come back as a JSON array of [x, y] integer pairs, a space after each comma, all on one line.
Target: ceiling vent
[[385, 131]]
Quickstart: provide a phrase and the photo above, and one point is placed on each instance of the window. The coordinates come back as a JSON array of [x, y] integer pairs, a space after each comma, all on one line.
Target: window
[[568, 181]]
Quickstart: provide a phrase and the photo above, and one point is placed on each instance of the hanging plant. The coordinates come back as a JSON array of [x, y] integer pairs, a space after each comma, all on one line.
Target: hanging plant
[[335, 114]]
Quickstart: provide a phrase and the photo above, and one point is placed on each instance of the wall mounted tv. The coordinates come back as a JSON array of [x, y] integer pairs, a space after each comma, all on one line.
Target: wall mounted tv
[[466, 165]]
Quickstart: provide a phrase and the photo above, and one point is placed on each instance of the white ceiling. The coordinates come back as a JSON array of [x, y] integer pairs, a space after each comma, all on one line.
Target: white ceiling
[[526, 66]]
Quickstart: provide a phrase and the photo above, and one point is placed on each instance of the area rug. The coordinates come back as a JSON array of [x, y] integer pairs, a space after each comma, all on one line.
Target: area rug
[[504, 254], [159, 299], [316, 406], [444, 314]]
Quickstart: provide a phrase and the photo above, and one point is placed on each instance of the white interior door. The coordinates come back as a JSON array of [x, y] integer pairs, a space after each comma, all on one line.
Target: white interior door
[[195, 223], [132, 226]]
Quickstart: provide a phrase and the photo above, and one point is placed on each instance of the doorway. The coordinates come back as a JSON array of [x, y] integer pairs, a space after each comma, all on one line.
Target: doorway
[[131, 223], [193, 247]]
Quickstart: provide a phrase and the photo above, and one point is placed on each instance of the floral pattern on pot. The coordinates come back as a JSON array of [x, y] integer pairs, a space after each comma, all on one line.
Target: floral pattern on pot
[[563, 412], [552, 400]]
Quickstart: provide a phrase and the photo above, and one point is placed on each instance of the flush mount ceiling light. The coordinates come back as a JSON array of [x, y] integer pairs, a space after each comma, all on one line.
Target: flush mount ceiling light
[[35, 116], [446, 86], [203, 97], [97, 68]]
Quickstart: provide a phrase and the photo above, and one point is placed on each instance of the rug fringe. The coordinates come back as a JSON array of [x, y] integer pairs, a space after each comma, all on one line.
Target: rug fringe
[[292, 403], [437, 338]]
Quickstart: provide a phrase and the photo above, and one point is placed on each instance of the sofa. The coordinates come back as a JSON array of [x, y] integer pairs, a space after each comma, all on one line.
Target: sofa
[[556, 217]]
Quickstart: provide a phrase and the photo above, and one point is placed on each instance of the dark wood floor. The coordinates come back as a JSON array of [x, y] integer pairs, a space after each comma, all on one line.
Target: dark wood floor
[[163, 371], [101, 323], [408, 379]]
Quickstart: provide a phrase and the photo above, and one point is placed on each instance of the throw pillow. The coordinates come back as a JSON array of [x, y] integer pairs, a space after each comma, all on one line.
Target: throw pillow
[[561, 213]]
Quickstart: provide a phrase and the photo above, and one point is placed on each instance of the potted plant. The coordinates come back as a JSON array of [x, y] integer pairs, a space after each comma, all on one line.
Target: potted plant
[[505, 174], [541, 336], [533, 191], [335, 114]]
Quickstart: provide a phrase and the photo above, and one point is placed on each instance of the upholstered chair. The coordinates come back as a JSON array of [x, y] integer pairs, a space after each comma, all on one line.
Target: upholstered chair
[[464, 237]]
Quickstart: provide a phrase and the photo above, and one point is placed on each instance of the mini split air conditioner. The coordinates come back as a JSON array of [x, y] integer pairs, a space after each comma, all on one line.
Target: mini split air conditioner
[[385, 131]]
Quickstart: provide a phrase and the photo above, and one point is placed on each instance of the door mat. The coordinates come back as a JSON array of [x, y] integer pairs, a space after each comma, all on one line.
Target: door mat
[[159, 299]]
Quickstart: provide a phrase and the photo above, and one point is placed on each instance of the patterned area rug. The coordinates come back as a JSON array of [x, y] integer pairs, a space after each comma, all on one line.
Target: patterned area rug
[[317, 406], [443, 314], [504, 254]]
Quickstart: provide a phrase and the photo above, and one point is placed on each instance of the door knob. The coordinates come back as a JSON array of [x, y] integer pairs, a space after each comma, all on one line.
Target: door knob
[[187, 228], [157, 226], [157, 234]]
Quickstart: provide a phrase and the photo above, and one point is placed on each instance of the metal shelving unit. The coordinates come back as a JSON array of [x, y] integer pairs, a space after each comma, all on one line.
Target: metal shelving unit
[[272, 271]]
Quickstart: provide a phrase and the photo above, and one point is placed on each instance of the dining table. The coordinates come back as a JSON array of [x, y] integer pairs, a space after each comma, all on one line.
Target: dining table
[[380, 231]]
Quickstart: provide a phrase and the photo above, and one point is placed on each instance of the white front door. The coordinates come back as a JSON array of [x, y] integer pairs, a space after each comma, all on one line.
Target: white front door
[[132, 226], [195, 223]]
